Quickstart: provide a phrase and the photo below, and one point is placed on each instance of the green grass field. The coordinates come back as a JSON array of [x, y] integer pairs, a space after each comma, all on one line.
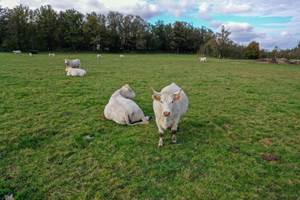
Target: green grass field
[[239, 140]]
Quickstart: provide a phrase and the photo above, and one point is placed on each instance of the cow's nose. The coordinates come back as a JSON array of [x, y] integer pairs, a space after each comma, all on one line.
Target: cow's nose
[[166, 113]]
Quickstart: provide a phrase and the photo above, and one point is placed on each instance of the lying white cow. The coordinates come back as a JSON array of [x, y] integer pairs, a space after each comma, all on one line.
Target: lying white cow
[[123, 110], [122, 56], [17, 51], [202, 59], [52, 54], [75, 71], [169, 105], [72, 63], [30, 54]]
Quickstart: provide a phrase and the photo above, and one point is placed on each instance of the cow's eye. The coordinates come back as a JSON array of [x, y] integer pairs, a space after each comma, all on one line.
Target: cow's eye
[[173, 101], [161, 102]]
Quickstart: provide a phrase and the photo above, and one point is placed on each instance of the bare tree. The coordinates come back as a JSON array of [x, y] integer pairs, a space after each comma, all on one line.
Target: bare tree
[[222, 40]]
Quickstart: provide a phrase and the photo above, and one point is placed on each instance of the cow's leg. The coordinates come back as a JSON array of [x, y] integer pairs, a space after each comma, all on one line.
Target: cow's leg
[[174, 130], [161, 134]]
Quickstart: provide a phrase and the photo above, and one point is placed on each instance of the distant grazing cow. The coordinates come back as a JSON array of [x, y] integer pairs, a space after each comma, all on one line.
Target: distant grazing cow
[[72, 63], [169, 105], [123, 110], [202, 59], [75, 71], [17, 51], [122, 56], [9, 197], [30, 54], [51, 54]]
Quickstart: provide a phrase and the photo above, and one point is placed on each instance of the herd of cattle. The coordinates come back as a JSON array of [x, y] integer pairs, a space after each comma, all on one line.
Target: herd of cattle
[[169, 104]]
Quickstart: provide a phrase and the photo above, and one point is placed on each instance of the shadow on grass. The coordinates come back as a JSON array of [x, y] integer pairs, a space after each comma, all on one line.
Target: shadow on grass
[[33, 140], [200, 131]]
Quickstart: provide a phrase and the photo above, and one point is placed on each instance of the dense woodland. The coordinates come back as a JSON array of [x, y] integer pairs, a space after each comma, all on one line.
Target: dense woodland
[[45, 29]]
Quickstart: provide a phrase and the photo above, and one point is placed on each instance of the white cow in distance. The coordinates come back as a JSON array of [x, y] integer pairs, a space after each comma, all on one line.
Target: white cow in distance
[[17, 51], [75, 71], [122, 56], [203, 59], [51, 54], [169, 105], [72, 63], [123, 110], [99, 56]]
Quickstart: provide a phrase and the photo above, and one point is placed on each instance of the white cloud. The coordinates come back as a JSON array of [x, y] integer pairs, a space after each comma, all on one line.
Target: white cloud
[[242, 32], [285, 34], [281, 41], [215, 24], [139, 7], [176, 7], [237, 27], [204, 10], [9, 3], [233, 8]]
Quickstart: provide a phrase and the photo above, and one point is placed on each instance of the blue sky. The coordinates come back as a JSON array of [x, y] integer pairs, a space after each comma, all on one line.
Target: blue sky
[[272, 22]]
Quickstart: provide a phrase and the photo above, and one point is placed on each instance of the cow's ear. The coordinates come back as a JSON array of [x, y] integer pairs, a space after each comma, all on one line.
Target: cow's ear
[[125, 87], [177, 95], [155, 95]]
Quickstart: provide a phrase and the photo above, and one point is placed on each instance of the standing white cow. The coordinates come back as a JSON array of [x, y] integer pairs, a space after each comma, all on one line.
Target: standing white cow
[[72, 63], [51, 54], [99, 56], [123, 110], [203, 59], [17, 51], [30, 54], [75, 71], [169, 105], [122, 56]]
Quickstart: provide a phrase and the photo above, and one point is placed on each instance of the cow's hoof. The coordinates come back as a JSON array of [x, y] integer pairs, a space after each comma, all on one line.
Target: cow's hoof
[[160, 143], [174, 139]]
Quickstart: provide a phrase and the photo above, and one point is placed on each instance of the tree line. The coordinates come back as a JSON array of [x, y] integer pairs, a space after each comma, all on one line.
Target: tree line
[[45, 29]]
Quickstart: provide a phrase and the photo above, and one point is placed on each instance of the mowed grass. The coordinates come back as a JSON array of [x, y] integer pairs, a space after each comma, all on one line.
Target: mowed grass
[[239, 140]]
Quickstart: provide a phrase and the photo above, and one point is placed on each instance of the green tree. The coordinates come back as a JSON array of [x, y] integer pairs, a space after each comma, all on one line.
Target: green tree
[[139, 27], [71, 22], [4, 12], [94, 31], [114, 27], [252, 50], [18, 30], [47, 24]]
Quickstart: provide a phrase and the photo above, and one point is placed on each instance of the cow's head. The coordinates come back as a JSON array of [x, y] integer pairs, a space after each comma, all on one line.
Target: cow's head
[[167, 101], [66, 61], [127, 92]]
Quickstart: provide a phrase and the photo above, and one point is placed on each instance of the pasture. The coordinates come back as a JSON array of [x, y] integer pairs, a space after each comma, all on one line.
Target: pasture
[[239, 140]]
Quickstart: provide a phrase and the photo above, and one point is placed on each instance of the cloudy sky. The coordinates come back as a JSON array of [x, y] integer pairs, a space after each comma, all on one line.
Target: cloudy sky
[[271, 22]]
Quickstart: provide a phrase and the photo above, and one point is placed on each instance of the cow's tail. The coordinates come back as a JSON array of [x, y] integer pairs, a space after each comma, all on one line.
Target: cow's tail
[[145, 120]]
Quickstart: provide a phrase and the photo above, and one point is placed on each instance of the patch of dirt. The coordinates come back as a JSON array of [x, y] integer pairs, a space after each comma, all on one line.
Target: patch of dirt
[[235, 149], [66, 114], [102, 117], [270, 157], [266, 141], [226, 126]]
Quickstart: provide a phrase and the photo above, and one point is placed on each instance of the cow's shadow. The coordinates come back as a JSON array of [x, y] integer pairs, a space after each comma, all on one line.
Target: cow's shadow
[[199, 131]]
